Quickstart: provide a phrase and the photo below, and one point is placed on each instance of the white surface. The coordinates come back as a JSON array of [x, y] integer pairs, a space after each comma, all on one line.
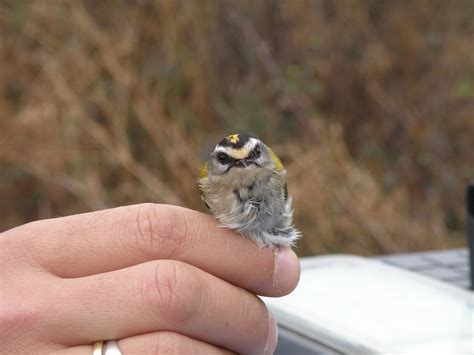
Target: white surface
[[361, 306]]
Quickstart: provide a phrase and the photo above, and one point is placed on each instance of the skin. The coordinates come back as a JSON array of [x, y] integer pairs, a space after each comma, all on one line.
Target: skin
[[161, 279]]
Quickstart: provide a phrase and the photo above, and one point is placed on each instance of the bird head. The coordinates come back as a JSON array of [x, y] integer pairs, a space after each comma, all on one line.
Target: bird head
[[239, 153]]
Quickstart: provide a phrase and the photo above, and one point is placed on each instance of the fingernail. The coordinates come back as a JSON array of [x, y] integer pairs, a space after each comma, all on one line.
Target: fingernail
[[286, 271], [272, 339]]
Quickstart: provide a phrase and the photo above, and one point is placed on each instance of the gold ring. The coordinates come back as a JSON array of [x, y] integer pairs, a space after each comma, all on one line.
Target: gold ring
[[98, 348]]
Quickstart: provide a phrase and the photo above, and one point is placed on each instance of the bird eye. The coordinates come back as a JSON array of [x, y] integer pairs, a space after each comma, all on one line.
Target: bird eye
[[222, 158], [257, 152]]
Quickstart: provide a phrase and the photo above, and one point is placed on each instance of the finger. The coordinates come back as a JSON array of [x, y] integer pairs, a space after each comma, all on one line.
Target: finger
[[109, 240], [156, 343], [160, 295]]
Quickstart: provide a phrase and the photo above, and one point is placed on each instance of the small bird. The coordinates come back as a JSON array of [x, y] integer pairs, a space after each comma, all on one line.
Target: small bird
[[244, 185]]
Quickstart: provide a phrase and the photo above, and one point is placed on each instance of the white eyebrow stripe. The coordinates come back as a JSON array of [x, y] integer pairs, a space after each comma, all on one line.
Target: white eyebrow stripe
[[251, 144], [219, 148], [236, 153]]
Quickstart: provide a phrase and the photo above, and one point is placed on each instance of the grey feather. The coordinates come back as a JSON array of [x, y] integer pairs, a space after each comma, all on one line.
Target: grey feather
[[252, 200]]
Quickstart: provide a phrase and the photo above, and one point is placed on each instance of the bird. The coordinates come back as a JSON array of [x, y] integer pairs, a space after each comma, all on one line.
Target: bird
[[243, 184]]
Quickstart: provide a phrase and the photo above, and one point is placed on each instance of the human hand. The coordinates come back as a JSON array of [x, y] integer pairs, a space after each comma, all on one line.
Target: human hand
[[158, 278]]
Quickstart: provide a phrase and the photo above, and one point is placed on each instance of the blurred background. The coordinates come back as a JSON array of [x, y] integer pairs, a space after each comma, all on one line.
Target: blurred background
[[369, 104]]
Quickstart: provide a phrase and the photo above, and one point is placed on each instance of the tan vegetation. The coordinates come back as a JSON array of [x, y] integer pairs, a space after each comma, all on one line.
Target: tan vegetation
[[368, 103]]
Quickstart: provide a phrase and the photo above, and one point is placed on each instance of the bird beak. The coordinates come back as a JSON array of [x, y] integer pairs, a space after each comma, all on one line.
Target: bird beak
[[241, 163]]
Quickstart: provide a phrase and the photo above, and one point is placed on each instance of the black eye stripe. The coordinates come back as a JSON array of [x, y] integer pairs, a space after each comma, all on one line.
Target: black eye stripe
[[223, 158], [255, 153]]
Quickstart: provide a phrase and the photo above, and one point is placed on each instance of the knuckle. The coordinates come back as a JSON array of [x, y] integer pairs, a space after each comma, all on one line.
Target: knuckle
[[16, 255], [162, 230], [174, 293], [14, 249]]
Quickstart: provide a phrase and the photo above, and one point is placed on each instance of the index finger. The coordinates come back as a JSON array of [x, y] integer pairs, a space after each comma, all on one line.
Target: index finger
[[97, 242]]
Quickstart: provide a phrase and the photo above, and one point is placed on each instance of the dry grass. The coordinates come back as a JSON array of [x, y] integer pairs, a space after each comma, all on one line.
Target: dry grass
[[370, 104]]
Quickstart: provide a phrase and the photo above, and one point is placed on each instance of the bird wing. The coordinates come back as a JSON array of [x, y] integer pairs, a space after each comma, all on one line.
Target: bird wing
[[203, 172]]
